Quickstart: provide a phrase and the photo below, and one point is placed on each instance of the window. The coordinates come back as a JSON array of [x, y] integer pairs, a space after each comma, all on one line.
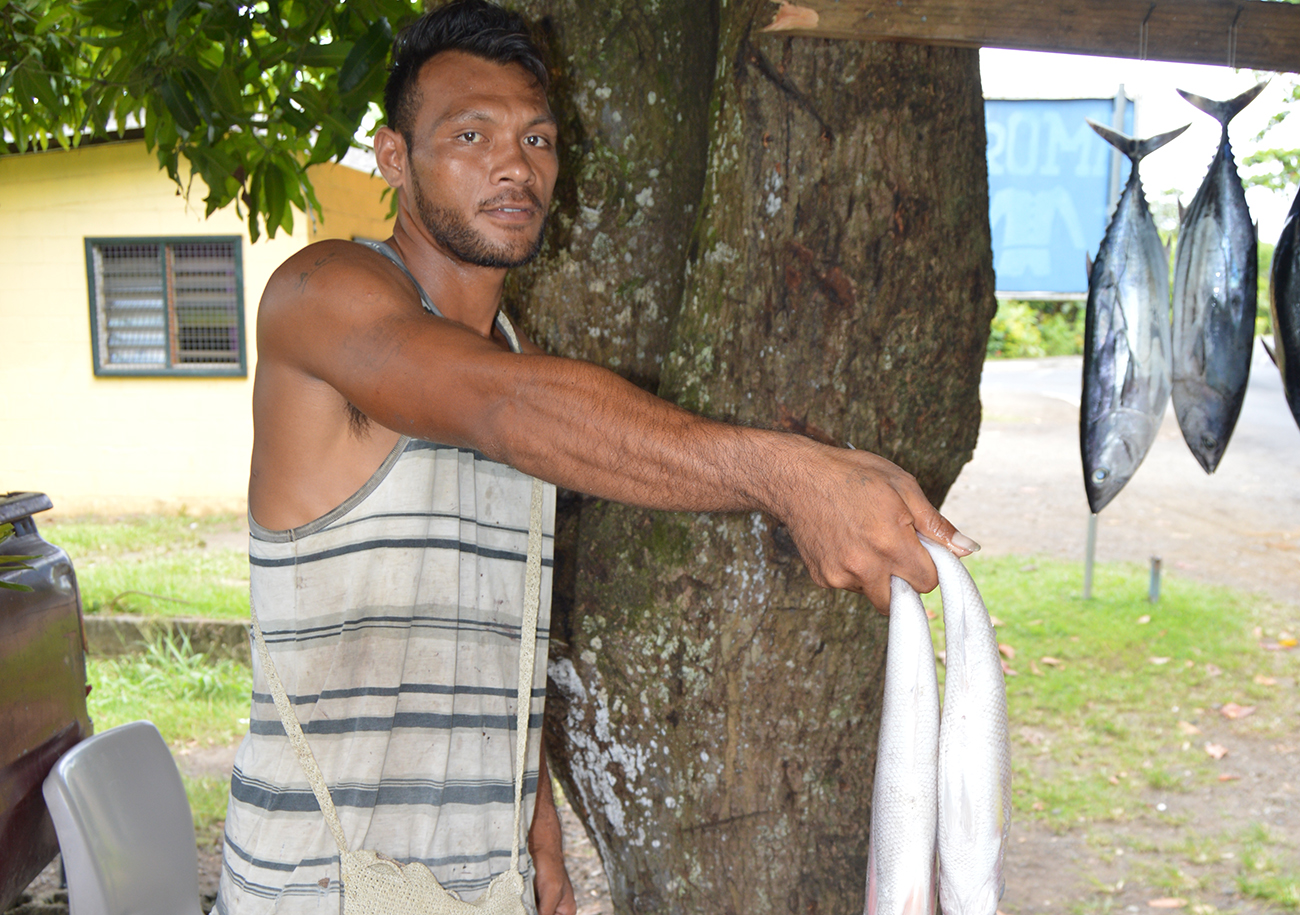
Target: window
[[166, 306]]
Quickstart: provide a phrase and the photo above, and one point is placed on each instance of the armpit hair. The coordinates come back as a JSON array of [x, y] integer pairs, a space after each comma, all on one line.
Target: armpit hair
[[358, 422]]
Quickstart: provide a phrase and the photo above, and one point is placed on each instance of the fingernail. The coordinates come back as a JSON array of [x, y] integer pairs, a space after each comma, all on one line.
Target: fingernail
[[961, 540]]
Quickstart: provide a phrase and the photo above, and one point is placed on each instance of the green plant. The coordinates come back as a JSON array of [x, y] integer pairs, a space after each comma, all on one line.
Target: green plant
[[1030, 329], [188, 696], [12, 563]]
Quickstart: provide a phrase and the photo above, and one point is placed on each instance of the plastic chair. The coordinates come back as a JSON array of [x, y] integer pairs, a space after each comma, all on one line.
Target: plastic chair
[[124, 826]]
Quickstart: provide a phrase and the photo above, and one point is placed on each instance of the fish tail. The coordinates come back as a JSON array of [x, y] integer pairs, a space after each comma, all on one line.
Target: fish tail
[[1134, 148], [1223, 112]]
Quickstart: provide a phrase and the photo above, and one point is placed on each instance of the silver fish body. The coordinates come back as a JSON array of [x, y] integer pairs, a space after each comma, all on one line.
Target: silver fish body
[[904, 803], [1284, 302], [974, 749], [1214, 300], [1126, 350]]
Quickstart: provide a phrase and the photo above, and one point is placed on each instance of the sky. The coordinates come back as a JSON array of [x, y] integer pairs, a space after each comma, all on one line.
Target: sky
[[1181, 165]]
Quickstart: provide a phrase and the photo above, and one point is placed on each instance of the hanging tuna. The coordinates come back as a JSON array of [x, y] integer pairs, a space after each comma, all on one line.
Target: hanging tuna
[[1284, 302], [1126, 347], [1215, 288]]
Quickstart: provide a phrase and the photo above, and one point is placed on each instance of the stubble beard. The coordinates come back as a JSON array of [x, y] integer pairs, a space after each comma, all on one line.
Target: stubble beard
[[453, 232]]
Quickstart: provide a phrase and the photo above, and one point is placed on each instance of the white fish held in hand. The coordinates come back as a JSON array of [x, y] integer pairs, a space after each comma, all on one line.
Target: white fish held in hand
[[904, 805], [974, 749]]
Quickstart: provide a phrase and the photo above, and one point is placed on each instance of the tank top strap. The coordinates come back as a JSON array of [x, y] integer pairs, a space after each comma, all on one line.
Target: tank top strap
[[503, 323]]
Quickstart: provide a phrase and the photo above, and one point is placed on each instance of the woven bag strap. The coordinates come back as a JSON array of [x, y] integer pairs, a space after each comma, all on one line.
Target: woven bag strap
[[523, 695], [294, 731]]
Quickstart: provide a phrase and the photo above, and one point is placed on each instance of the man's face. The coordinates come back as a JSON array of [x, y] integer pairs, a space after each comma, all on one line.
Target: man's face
[[482, 159]]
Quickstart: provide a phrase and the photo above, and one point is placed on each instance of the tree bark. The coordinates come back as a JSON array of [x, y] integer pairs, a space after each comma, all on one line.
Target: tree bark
[[712, 713]]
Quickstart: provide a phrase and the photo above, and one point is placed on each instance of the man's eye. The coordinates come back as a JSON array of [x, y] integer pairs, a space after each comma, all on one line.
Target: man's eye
[[470, 136], [541, 142]]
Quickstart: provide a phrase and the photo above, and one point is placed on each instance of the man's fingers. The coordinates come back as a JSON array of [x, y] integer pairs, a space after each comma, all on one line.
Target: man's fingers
[[929, 523]]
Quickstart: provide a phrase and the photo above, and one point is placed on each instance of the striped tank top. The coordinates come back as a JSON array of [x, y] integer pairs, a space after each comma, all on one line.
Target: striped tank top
[[394, 622]]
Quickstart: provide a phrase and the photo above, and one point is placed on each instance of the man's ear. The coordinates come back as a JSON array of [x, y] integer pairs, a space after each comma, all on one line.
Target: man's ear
[[390, 156]]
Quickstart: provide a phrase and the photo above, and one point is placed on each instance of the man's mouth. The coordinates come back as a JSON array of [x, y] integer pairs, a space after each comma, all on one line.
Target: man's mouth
[[512, 207]]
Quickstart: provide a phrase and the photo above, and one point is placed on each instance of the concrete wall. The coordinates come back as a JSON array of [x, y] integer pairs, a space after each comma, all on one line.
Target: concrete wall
[[116, 444]]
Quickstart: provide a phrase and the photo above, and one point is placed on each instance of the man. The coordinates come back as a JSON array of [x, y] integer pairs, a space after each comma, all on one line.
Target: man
[[397, 416]]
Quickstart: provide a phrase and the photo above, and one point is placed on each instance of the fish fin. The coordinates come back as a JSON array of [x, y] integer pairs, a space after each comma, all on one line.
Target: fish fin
[[1120, 141], [1133, 148], [1223, 112], [1151, 144], [1087, 259], [1268, 349]]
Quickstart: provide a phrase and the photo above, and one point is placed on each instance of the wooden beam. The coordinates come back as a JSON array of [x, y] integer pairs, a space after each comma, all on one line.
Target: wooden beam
[[1255, 34]]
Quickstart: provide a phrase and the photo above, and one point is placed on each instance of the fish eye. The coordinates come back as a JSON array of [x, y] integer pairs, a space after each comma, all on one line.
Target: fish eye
[[1099, 475]]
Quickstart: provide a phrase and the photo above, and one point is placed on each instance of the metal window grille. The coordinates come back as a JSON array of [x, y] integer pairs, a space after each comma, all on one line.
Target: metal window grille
[[167, 307]]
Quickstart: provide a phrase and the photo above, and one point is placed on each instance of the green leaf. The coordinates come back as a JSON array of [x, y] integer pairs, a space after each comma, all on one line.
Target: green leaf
[[179, 105], [180, 11], [273, 188], [330, 55], [367, 54]]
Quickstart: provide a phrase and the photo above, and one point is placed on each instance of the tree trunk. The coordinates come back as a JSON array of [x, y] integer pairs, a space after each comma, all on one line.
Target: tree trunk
[[712, 713]]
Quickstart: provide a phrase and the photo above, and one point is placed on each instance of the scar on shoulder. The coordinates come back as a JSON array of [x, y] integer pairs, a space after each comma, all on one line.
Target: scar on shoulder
[[307, 274]]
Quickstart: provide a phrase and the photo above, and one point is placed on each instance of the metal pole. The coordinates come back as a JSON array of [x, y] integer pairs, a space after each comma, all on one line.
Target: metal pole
[[1089, 557], [1153, 592]]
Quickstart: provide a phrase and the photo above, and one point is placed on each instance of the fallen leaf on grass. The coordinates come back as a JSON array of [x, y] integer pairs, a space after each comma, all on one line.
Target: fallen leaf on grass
[[1051, 662], [930, 614], [1216, 750], [1233, 711], [1006, 669], [1288, 643], [1033, 669], [1114, 779], [1188, 728], [1228, 777], [1167, 902], [1213, 670], [995, 621], [1007, 651], [1160, 660], [1144, 619], [1265, 681]]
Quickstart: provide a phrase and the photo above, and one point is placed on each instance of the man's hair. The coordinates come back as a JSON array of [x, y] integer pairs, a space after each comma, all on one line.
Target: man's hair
[[472, 26]]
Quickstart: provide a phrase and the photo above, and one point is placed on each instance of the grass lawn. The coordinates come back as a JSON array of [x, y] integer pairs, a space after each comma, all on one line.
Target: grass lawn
[[157, 565], [1109, 697]]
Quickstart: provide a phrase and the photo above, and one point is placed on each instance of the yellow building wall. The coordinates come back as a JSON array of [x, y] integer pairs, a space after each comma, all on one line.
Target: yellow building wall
[[116, 445]]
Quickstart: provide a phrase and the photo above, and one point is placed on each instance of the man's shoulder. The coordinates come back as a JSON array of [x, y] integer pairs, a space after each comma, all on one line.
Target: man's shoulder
[[327, 270]]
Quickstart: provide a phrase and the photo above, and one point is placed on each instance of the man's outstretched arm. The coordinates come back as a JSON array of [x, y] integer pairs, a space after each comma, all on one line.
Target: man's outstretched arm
[[357, 326]]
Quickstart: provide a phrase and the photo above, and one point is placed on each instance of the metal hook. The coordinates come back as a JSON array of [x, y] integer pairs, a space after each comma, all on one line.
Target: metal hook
[[1144, 32], [1232, 39]]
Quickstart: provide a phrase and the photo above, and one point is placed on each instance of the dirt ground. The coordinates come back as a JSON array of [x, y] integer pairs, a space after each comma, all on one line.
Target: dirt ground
[[1022, 494]]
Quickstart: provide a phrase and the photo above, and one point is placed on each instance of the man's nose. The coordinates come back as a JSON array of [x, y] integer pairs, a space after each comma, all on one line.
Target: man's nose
[[512, 164]]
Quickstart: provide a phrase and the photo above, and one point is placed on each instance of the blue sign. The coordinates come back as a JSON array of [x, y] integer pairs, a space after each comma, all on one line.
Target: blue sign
[[1050, 191]]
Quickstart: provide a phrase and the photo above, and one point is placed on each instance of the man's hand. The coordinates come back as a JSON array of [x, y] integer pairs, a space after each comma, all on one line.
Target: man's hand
[[551, 885], [855, 518]]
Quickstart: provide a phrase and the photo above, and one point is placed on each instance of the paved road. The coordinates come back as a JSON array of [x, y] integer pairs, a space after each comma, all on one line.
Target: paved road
[[1023, 490]]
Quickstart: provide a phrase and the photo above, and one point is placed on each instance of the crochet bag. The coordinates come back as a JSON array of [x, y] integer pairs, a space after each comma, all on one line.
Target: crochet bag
[[375, 884]]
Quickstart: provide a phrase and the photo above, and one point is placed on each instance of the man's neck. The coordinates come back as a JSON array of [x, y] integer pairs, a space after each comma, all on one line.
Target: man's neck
[[463, 292]]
